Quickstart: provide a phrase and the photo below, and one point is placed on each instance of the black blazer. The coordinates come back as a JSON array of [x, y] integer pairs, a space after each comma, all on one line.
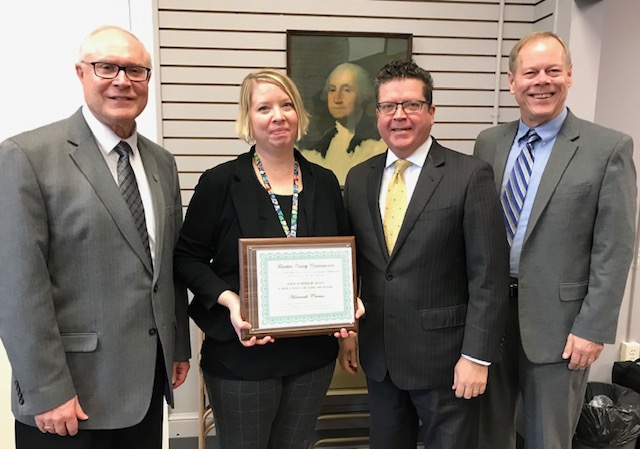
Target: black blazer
[[443, 290], [223, 209]]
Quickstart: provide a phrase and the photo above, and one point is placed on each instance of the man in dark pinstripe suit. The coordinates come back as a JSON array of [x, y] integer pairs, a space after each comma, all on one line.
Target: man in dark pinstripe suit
[[436, 301]]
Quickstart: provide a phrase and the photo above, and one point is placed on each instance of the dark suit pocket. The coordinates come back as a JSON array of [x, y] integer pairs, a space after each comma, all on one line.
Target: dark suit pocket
[[444, 317], [573, 291], [80, 342]]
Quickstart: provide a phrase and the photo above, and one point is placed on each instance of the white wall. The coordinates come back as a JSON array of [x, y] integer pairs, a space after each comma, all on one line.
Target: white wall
[[39, 42], [604, 39]]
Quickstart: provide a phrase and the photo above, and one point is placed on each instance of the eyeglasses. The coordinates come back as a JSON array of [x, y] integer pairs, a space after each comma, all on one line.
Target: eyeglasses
[[409, 107], [109, 71]]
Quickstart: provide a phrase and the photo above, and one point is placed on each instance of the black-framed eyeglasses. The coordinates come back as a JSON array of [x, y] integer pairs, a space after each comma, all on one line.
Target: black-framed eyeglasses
[[109, 70], [409, 107]]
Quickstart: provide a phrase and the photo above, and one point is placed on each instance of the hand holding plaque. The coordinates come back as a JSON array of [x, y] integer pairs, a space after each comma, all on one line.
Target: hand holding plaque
[[295, 287]]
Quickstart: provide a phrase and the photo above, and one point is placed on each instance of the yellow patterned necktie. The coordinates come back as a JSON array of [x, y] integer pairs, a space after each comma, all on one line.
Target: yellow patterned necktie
[[396, 204]]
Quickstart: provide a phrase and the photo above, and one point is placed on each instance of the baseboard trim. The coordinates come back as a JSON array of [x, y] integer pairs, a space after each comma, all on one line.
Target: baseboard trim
[[184, 425]]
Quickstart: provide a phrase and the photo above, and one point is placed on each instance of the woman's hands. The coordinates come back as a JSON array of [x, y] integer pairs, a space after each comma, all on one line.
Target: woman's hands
[[343, 333], [231, 301], [348, 355]]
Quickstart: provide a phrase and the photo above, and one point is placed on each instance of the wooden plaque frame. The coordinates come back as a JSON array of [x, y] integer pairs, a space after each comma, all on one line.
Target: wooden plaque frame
[[303, 250]]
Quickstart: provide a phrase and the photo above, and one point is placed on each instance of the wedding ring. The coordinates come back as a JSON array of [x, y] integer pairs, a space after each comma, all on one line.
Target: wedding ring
[[48, 428]]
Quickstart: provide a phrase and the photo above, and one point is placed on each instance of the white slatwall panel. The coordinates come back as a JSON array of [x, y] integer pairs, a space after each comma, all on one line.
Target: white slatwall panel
[[208, 46]]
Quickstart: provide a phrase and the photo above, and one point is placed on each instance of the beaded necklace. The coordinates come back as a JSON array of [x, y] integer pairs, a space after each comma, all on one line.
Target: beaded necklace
[[274, 200]]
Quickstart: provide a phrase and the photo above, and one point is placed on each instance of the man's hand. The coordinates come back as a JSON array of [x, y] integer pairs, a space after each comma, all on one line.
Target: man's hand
[[63, 419], [347, 357], [469, 378], [582, 353], [179, 374]]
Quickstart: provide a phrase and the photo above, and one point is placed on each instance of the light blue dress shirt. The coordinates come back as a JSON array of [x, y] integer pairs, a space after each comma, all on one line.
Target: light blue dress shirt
[[542, 150]]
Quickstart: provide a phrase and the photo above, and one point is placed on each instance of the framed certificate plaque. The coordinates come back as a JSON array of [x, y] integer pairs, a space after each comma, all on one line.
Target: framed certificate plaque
[[295, 287]]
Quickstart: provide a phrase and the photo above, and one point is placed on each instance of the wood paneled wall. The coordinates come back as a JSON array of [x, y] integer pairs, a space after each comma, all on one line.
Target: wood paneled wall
[[207, 47]]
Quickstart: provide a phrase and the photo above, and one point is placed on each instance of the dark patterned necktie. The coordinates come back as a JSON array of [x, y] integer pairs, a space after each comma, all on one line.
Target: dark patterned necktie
[[129, 188], [515, 190]]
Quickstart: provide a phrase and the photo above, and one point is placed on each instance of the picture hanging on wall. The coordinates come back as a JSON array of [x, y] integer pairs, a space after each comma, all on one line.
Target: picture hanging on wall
[[334, 72]]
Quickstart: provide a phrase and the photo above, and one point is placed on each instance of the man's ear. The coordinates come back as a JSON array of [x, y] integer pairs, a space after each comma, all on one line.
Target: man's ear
[[511, 81], [79, 71]]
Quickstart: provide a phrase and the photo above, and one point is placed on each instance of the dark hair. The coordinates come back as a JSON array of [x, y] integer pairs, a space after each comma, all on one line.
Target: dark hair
[[405, 69]]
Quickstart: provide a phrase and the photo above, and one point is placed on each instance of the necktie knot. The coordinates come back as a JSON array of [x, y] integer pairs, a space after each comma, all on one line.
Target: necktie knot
[[123, 149], [530, 138], [400, 166]]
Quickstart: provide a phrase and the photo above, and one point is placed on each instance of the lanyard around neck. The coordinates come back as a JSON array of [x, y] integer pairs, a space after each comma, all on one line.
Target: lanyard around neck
[[276, 205]]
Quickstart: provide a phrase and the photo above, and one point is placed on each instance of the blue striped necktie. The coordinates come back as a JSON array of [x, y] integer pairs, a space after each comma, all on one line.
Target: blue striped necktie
[[515, 190], [129, 188]]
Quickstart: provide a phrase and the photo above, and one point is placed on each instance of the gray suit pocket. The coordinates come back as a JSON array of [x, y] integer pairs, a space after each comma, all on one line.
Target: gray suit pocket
[[444, 317], [573, 291], [80, 342]]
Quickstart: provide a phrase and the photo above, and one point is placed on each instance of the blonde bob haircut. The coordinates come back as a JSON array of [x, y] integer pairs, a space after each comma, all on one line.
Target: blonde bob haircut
[[277, 78]]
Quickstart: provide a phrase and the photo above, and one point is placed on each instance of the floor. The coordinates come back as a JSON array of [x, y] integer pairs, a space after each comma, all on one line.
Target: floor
[[192, 443]]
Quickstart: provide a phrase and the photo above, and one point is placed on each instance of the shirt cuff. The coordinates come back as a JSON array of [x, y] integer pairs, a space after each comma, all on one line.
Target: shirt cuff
[[478, 361]]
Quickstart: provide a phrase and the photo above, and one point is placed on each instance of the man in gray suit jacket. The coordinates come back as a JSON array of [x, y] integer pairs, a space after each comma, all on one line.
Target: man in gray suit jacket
[[570, 254], [436, 299], [95, 328]]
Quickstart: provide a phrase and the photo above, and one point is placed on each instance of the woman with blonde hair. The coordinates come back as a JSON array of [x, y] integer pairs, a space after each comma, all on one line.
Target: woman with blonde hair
[[264, 393]]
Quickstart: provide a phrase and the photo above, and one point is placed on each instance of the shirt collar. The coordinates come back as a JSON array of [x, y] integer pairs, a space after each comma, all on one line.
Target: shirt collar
[[105, 137], [418, 157], [548, 131]]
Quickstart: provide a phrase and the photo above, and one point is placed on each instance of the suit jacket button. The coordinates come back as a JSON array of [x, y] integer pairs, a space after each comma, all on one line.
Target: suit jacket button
[[21, 401], [155, 289], [389, 276], [153, 331]]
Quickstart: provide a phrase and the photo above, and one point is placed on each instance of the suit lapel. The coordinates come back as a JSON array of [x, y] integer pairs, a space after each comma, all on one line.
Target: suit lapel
[[244, 197], [153, 178], [374, 180], [503, 148], [310, 188], [561, 154], [428, 180], [87, 157]]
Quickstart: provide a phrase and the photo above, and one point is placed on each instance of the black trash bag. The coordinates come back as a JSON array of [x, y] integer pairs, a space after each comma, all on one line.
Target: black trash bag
[[608, 426]]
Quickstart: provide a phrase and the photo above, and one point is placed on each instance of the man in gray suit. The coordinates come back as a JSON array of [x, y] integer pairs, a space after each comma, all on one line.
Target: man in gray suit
[[435, 288], [571, 226], [95, 328]]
